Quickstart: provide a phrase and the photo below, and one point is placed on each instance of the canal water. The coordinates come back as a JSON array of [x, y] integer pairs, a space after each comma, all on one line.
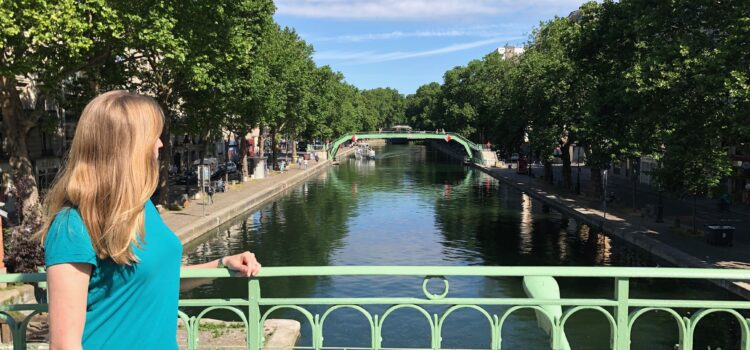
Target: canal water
[[414, 206]]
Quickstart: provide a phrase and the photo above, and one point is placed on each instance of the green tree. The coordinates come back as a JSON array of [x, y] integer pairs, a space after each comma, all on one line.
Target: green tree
[[387, 104], [423, 109], [43, 44], [502, 84]]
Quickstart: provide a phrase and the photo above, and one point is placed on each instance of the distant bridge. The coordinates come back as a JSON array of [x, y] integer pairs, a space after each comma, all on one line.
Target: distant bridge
[[472, 149]]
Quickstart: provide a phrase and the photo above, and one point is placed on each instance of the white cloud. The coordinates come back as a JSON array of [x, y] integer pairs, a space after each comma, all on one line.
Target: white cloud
[[415, 9], [374, 57], [480, 31]]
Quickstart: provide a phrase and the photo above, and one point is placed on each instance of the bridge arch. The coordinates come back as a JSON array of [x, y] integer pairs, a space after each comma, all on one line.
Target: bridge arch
[[469, 146]]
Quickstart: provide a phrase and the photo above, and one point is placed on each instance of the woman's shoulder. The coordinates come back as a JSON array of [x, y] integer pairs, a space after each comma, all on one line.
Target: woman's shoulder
[[68, 214], [68, 240], [67, 220]]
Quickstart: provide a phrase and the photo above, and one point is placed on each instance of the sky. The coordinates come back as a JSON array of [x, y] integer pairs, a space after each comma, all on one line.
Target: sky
[[404, 44]]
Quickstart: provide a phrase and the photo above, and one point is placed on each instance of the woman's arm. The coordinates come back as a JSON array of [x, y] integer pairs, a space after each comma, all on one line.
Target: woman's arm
[[244, 264], [68, 291]]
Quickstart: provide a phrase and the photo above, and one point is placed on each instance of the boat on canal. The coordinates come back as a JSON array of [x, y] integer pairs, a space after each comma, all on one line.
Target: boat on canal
[[364, 151]]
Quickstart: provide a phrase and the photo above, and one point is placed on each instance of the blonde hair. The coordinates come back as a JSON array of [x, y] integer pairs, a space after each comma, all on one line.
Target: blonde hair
[[110, 173]]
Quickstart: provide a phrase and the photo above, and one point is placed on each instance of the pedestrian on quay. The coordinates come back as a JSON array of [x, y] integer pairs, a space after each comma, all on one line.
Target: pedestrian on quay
[[186, 197], [110, 258], [305, 162], [210, 192], [317, 158]]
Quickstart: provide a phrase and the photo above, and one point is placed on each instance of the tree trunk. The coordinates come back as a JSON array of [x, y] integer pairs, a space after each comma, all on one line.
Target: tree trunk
[[273, 149], [165, 161], [202, 154], [548, 175], [226, 170], [596, 182], [244, 173], [17, 127], [294, 148], [567, 172], [24, 254], [261, 143]]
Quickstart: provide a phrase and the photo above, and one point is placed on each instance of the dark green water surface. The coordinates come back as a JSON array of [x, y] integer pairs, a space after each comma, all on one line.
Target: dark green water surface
[[412, 206]]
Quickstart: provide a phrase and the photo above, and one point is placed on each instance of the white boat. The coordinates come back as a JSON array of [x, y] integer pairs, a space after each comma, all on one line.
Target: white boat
[[364, 151]]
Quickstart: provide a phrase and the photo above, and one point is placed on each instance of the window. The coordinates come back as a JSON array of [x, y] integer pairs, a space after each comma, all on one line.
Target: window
[[46, 170]]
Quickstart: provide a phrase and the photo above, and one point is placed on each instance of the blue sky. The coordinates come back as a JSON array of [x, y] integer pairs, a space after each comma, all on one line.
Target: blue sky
[[407, 43]]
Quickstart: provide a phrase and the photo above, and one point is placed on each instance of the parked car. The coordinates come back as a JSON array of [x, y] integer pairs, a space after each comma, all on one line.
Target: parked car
[[514, 157]]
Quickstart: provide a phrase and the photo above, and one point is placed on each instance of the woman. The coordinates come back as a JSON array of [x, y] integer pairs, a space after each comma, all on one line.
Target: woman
[[113, 266]]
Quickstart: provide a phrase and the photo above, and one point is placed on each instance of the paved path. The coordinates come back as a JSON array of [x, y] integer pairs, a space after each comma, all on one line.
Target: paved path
[[200, 216], [707, 209], [677, 247]]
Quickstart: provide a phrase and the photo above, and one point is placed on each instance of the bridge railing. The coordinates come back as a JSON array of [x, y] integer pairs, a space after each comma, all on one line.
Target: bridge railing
[[417, 134], [620, 310]]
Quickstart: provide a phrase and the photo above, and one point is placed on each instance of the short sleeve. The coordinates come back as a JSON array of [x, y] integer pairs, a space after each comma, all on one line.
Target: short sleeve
[[68, 240]]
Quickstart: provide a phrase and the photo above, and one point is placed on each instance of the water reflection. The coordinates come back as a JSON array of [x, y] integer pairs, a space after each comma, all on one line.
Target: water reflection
[[526, 225], [414, 207]]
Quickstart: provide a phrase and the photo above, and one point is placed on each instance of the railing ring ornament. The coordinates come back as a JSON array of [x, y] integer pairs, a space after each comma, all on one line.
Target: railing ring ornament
[[435, 296]]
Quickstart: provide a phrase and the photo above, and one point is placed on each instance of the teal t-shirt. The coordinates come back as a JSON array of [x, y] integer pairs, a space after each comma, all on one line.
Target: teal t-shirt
[[128, 307]]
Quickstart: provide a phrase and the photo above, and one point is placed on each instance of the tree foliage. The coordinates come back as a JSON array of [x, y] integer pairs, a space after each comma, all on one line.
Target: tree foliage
[[625, 79]]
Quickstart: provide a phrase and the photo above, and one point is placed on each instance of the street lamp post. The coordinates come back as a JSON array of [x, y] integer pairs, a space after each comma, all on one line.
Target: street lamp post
[[531, 159], [660, 202], [578, 165], [604, 183], [531, 152]]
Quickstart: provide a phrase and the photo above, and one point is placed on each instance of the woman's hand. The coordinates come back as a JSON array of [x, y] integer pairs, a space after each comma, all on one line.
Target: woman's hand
[[244, 263]]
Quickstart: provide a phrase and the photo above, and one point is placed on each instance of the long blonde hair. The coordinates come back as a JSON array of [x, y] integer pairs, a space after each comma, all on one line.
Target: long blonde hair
[[111, 172]]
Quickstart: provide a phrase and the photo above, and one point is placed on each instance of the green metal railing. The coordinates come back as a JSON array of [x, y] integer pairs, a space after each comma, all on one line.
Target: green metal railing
[[621, 311], [469, 147]]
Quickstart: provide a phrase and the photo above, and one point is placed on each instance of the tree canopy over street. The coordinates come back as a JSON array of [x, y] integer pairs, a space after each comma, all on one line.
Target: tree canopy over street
[[212, 66], [623, 79]]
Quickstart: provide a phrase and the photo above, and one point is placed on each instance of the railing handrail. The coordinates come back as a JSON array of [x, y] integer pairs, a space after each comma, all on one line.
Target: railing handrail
[[625, 310], [489, 271]]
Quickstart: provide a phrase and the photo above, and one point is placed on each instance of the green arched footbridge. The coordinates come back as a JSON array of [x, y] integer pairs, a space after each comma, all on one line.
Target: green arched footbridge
[[472, 149]]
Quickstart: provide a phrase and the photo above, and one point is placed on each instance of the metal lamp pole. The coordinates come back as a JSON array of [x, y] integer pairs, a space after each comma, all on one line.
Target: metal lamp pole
[[604, 173], [531, 154], [578, 165], [531, 159], [660, 203]]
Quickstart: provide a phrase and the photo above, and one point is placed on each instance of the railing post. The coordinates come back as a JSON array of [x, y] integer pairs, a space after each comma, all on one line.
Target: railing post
[[622, 295], [254, 328], [19, 337], [376, 340]]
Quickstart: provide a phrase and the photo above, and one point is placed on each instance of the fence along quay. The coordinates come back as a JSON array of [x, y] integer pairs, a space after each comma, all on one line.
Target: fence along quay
[[620, 310]]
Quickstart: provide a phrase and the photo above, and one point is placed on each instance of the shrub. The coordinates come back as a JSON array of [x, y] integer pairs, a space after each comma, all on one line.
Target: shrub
[[23, 254]]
